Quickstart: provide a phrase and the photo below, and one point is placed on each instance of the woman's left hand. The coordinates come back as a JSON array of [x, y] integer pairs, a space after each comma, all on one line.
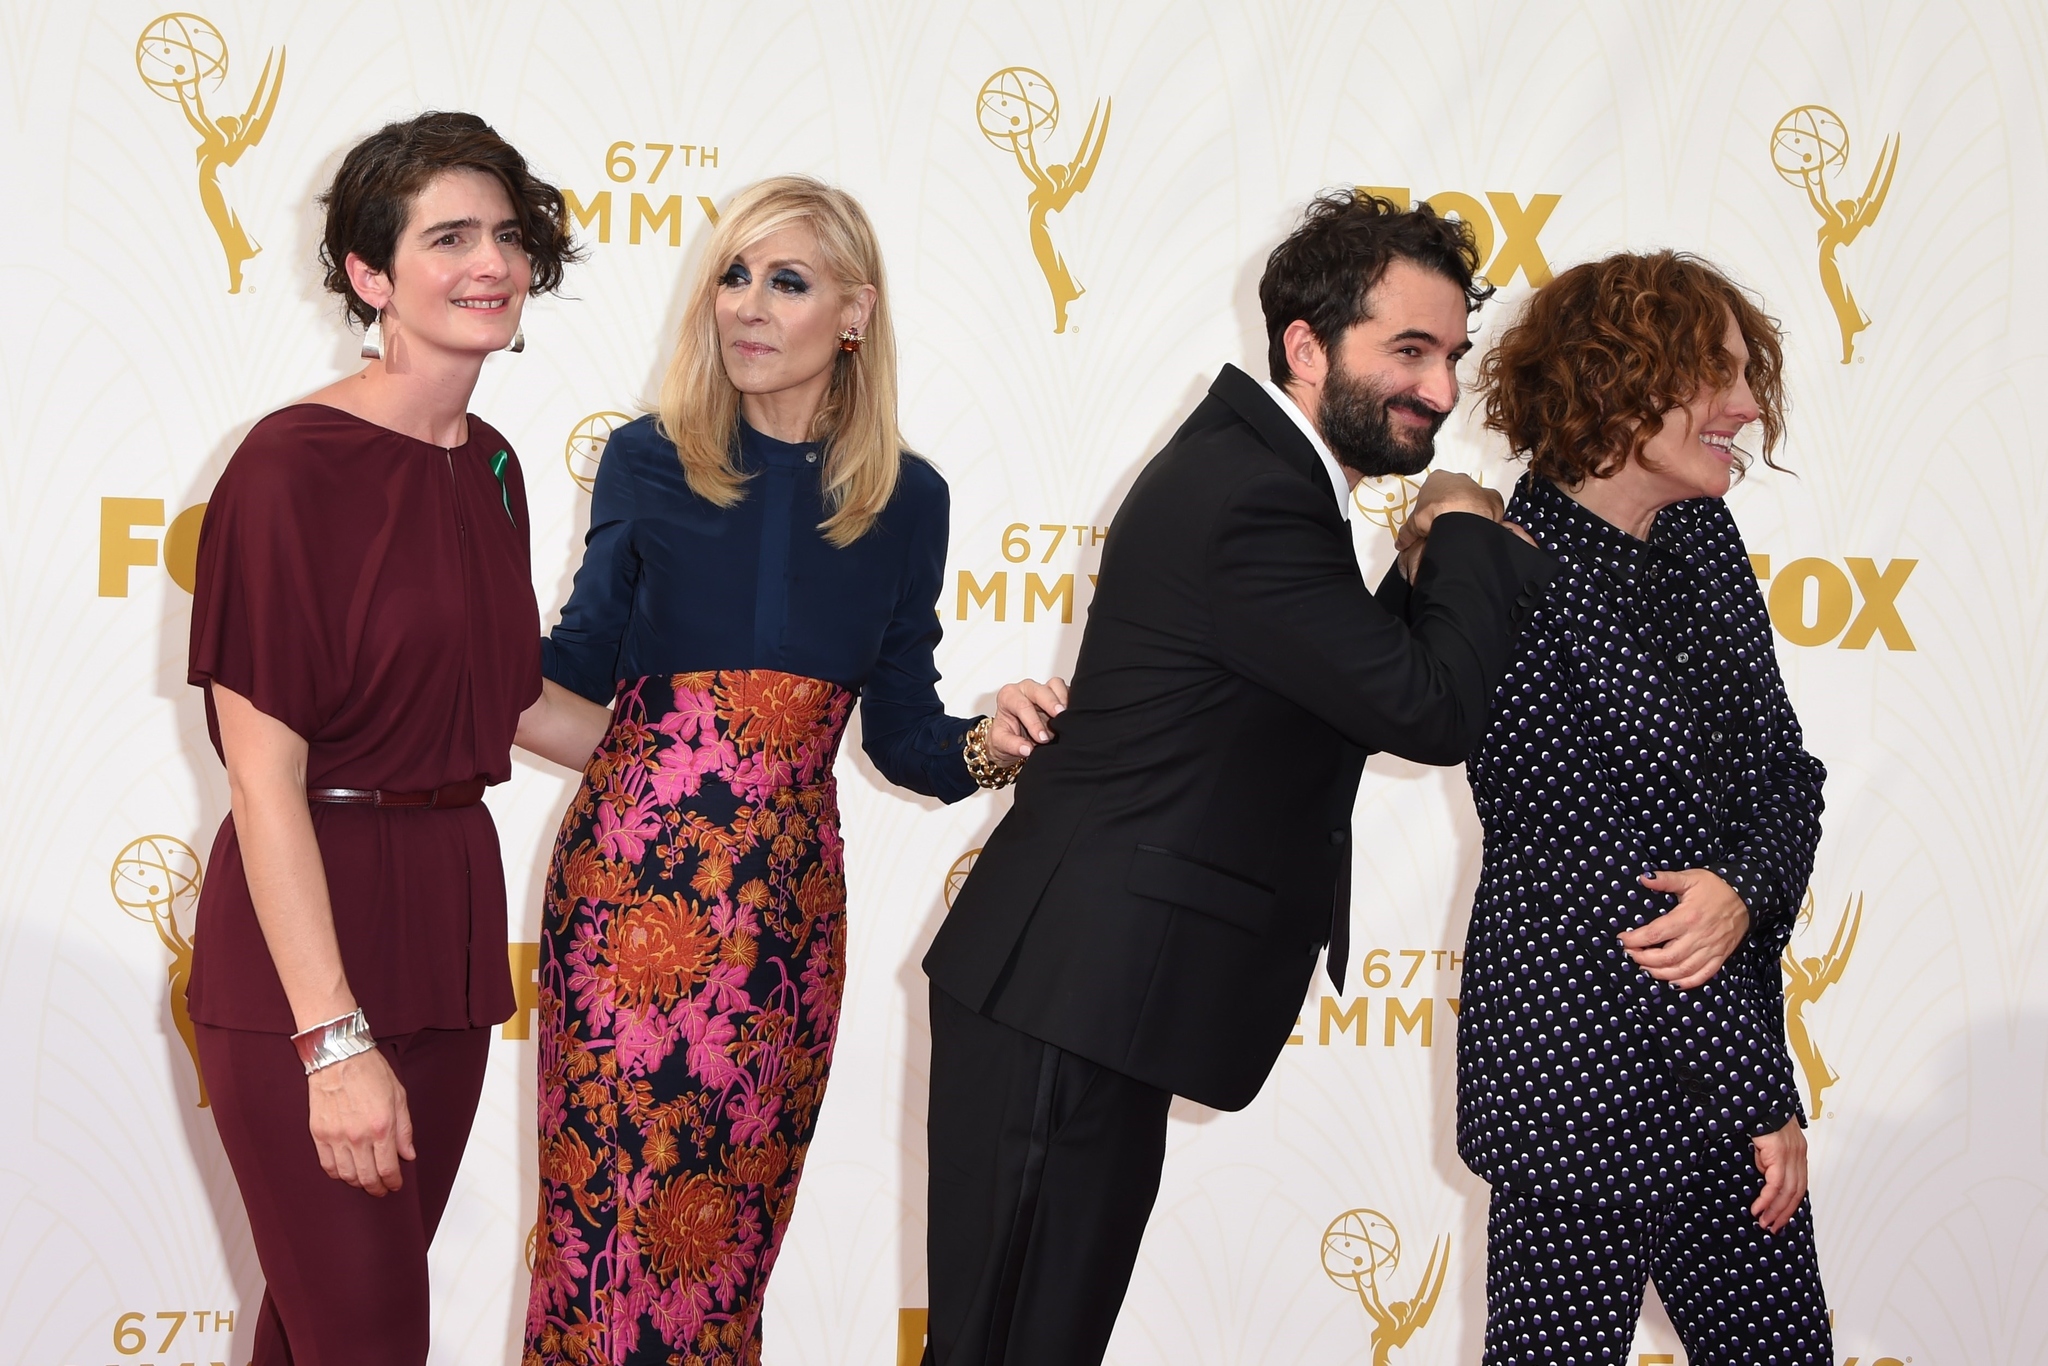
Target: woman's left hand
[[1023, 719], [1687, 944], [562, 726]]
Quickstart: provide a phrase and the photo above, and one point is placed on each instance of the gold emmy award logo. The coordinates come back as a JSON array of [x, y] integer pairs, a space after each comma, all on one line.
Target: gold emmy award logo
[[1386, 502], [1809, 144], [153, 879], [179, 54], [1806, 981], [956, 876], [1015, 108], [585, 447], [1360, 1247]]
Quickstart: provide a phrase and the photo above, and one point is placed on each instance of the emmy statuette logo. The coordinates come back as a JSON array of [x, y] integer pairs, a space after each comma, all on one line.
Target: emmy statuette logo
[[1809, 145], [1361, 1249], [1806, 981], [1017, 107], [179, 57], [1386, 502], [154, 878], [585, 447], [956, 876]]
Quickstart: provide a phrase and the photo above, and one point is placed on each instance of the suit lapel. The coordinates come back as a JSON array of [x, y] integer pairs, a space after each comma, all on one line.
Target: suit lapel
[[1249, 400]]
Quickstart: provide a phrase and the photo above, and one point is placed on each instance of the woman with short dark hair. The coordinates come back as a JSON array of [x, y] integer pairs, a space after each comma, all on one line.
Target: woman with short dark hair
[[365, 629], [1650, 821]]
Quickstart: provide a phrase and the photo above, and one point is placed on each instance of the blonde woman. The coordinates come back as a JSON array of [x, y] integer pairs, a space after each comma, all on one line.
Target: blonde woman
[[762, 553]]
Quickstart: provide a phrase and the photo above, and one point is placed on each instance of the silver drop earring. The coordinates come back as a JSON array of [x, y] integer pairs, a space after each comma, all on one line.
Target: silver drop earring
[[518, 341], [373, 339]]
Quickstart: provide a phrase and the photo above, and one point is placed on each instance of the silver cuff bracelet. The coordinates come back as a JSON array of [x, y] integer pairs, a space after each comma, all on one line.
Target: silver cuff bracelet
[[331, 1041]]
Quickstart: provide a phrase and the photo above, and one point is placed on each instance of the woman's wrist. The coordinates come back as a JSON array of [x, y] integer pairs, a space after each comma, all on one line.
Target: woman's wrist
[[983, 764], [332, 1041]]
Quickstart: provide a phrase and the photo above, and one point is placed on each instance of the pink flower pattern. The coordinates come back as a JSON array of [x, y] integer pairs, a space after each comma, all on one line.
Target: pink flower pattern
[[693, 958]]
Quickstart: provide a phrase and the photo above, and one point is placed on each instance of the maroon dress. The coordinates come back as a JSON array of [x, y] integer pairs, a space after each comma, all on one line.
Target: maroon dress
[[372, 592]]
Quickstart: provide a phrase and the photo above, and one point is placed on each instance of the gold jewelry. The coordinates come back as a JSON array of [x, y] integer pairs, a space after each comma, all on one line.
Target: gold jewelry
[[333, 1041], [982, 764]]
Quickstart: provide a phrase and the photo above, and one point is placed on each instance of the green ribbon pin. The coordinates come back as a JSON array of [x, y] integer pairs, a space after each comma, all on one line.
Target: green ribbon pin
[[498, 463]]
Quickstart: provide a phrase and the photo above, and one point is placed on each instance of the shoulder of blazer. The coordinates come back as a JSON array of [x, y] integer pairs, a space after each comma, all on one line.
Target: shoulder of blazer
[[1276, 431]]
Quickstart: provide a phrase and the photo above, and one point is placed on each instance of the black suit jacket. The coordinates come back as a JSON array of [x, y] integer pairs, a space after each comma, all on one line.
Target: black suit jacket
[[1156, 897]]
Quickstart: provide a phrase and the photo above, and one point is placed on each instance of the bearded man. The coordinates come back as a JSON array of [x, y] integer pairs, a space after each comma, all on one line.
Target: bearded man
[[1145, 921]]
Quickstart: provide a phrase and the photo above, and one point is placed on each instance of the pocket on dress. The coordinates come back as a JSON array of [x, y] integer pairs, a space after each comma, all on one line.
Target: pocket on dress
[[1166, 876]]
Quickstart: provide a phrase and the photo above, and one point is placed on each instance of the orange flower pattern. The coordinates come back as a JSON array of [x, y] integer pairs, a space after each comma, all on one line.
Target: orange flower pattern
[[693, 954]]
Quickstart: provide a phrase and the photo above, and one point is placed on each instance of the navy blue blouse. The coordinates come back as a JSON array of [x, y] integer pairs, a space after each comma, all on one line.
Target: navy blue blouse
[[1642, 724], [673, 584]]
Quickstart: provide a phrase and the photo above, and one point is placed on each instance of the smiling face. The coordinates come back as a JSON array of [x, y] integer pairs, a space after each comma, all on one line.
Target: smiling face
[[1693, 455], [780, 311], [459, 272], [1395, 376]]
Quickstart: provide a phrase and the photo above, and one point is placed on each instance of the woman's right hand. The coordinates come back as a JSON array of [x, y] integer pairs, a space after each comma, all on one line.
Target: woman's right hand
[[360, 1122], [1781, 1157]]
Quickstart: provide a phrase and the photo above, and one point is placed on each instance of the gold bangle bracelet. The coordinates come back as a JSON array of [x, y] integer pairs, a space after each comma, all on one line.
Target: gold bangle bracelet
[[982, 764]]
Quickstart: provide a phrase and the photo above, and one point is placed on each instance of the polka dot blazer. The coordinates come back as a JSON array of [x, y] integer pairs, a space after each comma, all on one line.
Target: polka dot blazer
[[1643, 724]]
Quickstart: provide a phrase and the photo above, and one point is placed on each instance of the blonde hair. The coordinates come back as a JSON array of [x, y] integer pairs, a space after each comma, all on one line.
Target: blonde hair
[[699, 408]]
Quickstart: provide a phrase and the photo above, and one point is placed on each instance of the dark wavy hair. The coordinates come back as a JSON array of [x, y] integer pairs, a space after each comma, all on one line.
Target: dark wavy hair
[[1326, 270], [371, 198], [1584, 378]]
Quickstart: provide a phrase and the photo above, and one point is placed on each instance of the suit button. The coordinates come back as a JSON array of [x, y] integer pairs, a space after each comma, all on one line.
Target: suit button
[[1337, 837]]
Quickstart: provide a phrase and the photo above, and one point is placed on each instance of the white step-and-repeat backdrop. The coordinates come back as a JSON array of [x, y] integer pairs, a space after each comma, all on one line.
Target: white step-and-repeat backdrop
[[1878, 172]]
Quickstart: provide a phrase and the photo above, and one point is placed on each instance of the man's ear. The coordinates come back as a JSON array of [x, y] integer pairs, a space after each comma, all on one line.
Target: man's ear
[[1306, 358]]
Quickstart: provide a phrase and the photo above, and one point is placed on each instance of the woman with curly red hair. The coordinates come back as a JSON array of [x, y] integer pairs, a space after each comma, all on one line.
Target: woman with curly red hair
[[1650, 819]]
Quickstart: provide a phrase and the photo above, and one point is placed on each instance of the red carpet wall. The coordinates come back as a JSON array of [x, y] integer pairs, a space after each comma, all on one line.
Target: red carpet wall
[[1877, 172]]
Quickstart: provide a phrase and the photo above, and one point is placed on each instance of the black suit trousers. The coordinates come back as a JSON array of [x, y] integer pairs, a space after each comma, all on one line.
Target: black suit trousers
[[1044, 1167]]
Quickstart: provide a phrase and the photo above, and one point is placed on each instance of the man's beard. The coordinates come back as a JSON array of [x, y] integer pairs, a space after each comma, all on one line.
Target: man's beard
[[1355, 425]]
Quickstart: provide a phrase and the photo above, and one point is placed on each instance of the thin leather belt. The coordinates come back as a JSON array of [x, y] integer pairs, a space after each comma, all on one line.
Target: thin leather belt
[[454, 794]]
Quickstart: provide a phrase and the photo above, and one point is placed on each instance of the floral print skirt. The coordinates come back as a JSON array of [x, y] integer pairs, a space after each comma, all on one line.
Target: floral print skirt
[[693, 952]]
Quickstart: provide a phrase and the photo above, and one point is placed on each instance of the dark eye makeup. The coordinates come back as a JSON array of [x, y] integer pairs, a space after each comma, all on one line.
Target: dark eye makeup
[[782, 279]]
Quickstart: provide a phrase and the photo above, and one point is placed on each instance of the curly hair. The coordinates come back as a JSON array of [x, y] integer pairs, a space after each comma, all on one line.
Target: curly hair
[[1602, 355], [1326, 270], [371, 197]]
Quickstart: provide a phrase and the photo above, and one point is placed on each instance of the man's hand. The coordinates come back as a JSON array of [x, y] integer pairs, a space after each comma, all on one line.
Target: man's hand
[[1023, 719], [1781, 1157], [1688, 944], [1443, 491], [361, 1125]]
